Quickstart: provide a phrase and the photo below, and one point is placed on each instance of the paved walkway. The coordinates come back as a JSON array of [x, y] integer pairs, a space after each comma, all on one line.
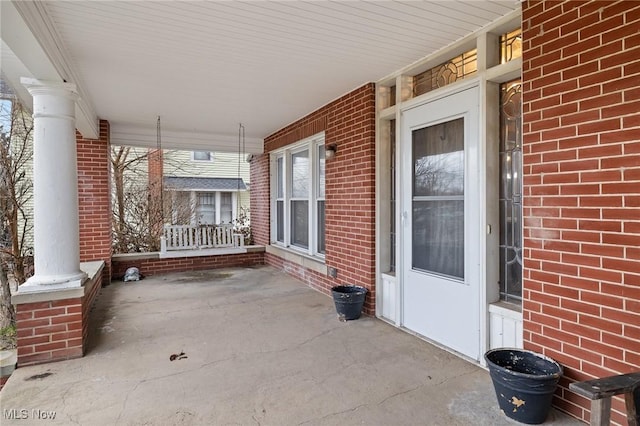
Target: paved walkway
[[260, 348]]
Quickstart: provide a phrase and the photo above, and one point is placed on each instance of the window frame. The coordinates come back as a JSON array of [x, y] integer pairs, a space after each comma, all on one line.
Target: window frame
[[312, 146]]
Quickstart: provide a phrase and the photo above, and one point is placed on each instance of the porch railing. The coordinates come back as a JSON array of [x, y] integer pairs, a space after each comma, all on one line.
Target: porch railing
[[187, 237]]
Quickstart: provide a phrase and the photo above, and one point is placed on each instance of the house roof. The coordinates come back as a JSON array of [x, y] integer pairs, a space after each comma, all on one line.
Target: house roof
[[179, 183]]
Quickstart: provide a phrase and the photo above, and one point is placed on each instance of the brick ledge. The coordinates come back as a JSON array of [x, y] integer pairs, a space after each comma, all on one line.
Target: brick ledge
[[93, 271]]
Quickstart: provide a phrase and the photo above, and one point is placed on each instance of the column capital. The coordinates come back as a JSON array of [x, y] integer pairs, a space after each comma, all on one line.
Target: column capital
[[47, 87]]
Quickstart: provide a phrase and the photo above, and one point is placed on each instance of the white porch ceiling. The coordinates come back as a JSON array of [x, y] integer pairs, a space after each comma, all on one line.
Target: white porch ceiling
[[204, 67]]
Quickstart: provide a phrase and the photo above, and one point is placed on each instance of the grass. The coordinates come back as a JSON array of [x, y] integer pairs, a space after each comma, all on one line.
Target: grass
[[8, 337]]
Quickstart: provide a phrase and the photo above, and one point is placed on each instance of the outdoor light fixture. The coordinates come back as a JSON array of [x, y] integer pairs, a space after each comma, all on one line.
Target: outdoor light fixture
[[330, 151]]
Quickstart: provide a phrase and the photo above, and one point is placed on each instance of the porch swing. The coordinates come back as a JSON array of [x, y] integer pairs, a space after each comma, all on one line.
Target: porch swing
[[188, 237]]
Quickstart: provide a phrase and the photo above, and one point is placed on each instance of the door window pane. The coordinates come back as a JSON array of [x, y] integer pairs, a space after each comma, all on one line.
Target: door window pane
[[438, 237], [438, 199], [439, 159]]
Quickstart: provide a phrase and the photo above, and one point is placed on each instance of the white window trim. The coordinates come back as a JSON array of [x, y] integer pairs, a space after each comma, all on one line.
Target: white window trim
[[311, 145]]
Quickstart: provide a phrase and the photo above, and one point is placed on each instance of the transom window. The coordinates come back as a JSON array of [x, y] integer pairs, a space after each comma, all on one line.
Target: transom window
[[298, 211]]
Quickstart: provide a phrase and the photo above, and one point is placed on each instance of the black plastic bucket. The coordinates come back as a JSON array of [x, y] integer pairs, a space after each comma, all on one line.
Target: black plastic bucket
[[524, 382], [349, 300]]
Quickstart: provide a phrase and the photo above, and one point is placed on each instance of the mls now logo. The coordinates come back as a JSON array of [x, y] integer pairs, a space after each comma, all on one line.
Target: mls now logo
[[23, 414], [14, 414]]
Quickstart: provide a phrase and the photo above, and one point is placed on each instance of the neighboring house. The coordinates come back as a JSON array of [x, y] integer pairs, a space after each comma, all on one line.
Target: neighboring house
[[202, 187], [206, 187]]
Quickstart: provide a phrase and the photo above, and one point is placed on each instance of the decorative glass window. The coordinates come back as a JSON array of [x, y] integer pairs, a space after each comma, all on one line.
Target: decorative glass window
[[298, 190], [202, 156], [458, 68], [510, 46], [511, 191]]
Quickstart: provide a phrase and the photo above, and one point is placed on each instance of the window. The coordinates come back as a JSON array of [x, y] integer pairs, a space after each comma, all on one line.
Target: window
[[320, 199], [226, 207], [300, 199], [215, 208], [207, 208], [510, 45], [298, 190], [511, 191], [458, 68], [280, 199], [202, 156]]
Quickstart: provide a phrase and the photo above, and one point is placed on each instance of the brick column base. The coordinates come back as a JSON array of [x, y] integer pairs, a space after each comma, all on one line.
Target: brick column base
[[54, 325]]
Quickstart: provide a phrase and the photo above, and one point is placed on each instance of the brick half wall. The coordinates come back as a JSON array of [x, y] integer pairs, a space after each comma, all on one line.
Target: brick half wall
[[151, 263], [581, 97]]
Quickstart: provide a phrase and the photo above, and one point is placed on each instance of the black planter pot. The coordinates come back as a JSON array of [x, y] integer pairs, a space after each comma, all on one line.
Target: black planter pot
[[349, 300], [524, 382]]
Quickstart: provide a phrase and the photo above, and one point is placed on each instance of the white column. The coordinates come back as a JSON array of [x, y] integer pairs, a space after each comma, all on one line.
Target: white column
[[55, 187]]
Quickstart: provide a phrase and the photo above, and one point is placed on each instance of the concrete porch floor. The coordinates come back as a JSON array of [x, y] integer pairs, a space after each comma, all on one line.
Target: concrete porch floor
[[261, 349]]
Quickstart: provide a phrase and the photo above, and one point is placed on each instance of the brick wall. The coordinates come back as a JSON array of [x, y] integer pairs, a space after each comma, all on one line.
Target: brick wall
[[349, 122], [151, 264], [581, 98], [259, 199], [94, 198]]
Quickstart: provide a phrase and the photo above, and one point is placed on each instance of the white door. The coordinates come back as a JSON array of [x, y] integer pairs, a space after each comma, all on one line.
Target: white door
[[441, 212]]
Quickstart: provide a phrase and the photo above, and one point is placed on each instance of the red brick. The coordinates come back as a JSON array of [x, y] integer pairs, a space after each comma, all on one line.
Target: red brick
[[50, 346], [600, 348], [580, 307], [64, 319], [49, 329], [601, 323], [33, 340], [44, 313], [34, 323]]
